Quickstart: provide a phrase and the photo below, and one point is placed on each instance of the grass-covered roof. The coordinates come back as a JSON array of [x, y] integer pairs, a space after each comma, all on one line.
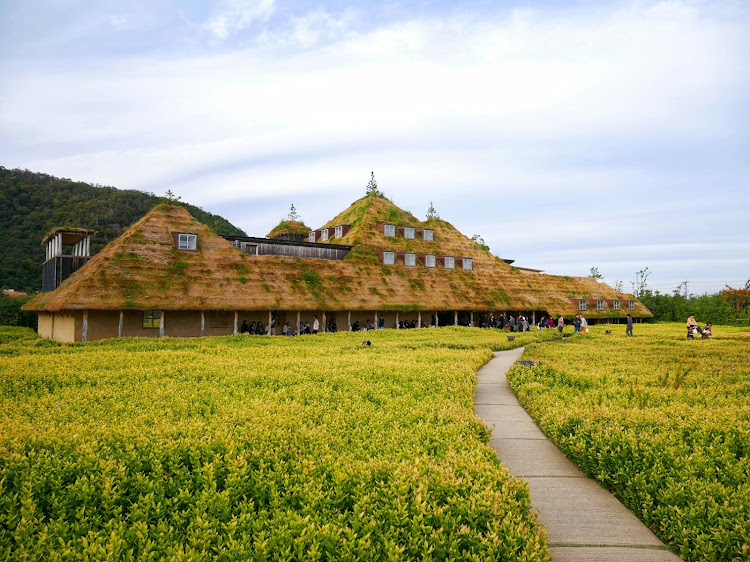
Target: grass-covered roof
[[292, 227], [143, 269]]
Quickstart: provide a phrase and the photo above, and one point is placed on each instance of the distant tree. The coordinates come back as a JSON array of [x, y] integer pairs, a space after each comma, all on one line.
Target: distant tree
[[171, 197], [479, 241], [432, 212], [372, 187], [293, 214], [738, 299], [619, 286], [639, 284], [595, 273]]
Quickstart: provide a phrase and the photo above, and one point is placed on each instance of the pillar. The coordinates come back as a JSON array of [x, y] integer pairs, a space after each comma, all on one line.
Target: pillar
[[122, 324], [437, 320], [471, 318], [419, 318], [323, 322], [298, 319], [203, 323], [161, 324], [85, 331], [533, 317], [236, 318], [270, 321], [349, 320], [455, 317], [397, 319]]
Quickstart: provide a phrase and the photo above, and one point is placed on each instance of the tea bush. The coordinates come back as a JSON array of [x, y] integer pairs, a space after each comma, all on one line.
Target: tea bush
[[661, 421], [255, 448]]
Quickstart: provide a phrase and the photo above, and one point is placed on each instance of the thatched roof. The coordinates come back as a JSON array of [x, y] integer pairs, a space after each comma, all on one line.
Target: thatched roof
[[289, 227], [142, 269]]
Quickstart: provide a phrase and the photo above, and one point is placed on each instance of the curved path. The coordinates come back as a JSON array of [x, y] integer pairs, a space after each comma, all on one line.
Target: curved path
[[584, 522]]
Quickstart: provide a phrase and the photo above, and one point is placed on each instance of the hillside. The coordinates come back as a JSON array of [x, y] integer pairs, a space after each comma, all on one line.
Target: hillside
[[34, 203]]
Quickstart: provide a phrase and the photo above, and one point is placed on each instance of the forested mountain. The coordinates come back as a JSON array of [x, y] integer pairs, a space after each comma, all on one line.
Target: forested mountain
[[32, 204]]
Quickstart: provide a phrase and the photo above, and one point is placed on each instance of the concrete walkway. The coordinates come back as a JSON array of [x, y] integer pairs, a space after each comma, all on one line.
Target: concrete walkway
[[584, 522]]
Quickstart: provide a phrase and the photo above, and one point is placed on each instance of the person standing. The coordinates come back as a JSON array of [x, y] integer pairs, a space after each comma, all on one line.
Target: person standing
[[381, 323], [577, 324], [316, 324], [629, 327], [560, 324]]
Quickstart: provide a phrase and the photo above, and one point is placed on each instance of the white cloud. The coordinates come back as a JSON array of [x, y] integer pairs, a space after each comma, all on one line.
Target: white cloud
[[231, 16]]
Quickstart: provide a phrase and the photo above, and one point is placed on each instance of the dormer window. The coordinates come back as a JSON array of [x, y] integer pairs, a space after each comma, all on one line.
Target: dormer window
[[389, 258], [324, 235], [187, 242], [311, 236], [449, 262], [581, 304], [468, 264], [600, 304], [427, 234], [389, 229], [409, 232], [615, 305], [429, 260], [339, 232], [410, 258], [631, 305]]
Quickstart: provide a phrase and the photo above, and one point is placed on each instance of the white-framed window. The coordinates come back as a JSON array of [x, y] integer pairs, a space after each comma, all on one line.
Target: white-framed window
[[631, 305], [468, 264], [429, 260], [427, 234], [409, 232], [450, 262], [581, 304], [339, 232], [615, 305], [187, 241], [324, 235], [389, 258], [311, 236], [410, 258], [389, 229], [600, 304]]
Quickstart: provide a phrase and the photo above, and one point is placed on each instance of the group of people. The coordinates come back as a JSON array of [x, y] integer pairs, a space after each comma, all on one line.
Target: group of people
[[520, 324], [253, 328], [694, 328]]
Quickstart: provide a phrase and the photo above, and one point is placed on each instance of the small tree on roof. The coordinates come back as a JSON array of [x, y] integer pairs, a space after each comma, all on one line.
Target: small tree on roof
[[432, 212], [595, 273], [372, 187], [293, 214]]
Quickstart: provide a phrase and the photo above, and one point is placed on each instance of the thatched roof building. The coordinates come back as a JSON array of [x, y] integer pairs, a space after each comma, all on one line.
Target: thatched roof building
[[168, 274]]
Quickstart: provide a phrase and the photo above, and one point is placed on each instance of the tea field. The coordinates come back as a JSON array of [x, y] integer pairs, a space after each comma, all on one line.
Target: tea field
[[255, 448], [661, 421]]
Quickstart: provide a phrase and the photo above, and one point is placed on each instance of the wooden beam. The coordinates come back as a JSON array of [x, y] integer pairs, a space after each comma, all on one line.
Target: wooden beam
[[349, 320], [299, 331], [397, 319], [161, 324], [85, 331], [455, 317], [122, 324], [203, 323], [419, 318], [270, 320], [236, 317]]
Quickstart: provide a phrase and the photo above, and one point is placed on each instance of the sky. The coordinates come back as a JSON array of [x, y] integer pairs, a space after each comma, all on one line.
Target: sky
[[567, 134]]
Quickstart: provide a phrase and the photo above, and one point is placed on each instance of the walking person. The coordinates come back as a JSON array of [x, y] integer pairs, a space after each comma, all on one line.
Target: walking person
[[629, 328], [560, 324], [577, 324], [584, 325]]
